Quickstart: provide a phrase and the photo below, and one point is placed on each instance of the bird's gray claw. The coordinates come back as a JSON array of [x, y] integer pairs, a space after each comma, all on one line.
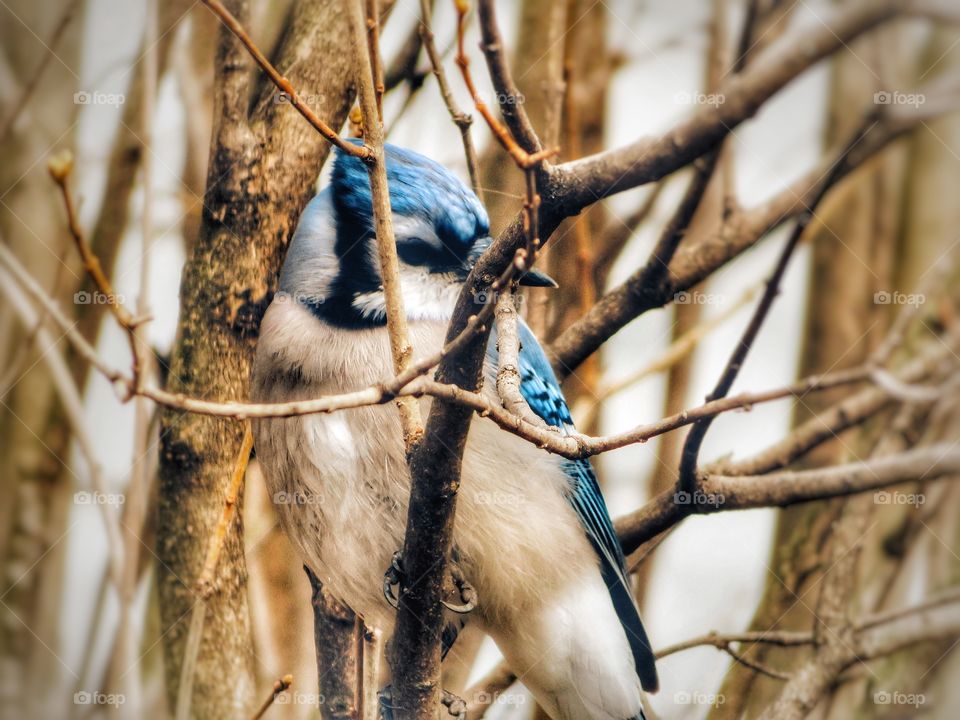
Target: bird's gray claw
[[468, 594], [391, 578], [455, 705], [385, 698]]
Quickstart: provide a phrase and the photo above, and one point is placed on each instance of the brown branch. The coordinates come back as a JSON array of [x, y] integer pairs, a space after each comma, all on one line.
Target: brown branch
[[461, 119], [607, 173], [874, 643], [934, 620], [281, 685], [397, 329], [290, 93], [759, 667], [843, 415], [60, 167], [521, 157], [689, 457], [435, 464], [741, 230], [508, 374], [335, 633], [410, 383], [509, 97], [373, 50], [204, 584], [781, 638], [719, 493]]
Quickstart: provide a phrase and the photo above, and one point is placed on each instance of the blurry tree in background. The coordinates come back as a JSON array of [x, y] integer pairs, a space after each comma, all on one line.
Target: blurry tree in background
[[130, 579]]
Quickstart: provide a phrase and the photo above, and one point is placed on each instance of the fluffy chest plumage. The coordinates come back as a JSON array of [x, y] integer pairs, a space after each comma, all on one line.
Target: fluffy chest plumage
[[340, 481]]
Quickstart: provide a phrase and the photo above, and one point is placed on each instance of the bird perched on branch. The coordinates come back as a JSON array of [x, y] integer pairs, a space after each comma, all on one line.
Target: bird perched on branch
[[532, 535]]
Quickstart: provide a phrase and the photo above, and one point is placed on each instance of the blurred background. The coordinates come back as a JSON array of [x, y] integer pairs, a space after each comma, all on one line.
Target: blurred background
[[73, 76]]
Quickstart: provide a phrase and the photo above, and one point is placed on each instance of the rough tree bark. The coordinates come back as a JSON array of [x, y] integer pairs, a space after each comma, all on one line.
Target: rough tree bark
[[262, 169]]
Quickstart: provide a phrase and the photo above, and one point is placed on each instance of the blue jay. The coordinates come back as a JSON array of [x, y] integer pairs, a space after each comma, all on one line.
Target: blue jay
[[532, 534]]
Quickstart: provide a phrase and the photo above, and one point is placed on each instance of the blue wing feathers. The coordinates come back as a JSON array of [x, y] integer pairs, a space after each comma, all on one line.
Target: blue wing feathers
[[540, 389]]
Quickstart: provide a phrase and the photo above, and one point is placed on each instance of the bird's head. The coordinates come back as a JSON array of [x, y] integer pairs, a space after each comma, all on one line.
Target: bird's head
[[440, 226]]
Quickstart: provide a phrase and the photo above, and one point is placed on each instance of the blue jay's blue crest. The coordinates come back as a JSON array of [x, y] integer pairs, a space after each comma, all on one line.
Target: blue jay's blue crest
[[440, 228], [440, 218]]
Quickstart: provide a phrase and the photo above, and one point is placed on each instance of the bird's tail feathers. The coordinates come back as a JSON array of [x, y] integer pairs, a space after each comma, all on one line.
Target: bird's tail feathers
[[626, 609]]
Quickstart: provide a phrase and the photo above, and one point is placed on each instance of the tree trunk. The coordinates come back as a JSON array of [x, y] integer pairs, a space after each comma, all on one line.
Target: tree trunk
[[262, 171]]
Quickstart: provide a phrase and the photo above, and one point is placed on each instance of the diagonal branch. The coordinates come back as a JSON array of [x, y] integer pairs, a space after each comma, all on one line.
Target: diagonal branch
[[687, 480], [227, 18], [508, 96]]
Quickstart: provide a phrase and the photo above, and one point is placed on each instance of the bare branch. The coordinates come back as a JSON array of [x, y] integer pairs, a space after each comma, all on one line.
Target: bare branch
[[461, 119], [227, 18], [508, 96], [523, 158], [722, 493], [397, 328], [687, 480], [281, 685], [739, 231], [508, 374], [60, 168]]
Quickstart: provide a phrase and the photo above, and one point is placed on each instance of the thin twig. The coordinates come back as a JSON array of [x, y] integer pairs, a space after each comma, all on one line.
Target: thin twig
[[399, 333], [508, 373], [205, 582], [461, 119], [508, 96], [280, 686], [687, 480], [373, 49], [60, 167], [282, 83], [521, 157]]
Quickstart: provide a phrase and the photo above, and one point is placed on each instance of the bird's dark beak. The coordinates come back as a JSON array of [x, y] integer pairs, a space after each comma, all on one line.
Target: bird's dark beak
[[535, 278]]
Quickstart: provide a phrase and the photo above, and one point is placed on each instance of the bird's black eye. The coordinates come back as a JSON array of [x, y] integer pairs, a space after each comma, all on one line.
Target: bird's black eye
[[415, 251]]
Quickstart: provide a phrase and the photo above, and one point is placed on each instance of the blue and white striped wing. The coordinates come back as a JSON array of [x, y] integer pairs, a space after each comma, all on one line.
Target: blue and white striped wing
[[541, 390]]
